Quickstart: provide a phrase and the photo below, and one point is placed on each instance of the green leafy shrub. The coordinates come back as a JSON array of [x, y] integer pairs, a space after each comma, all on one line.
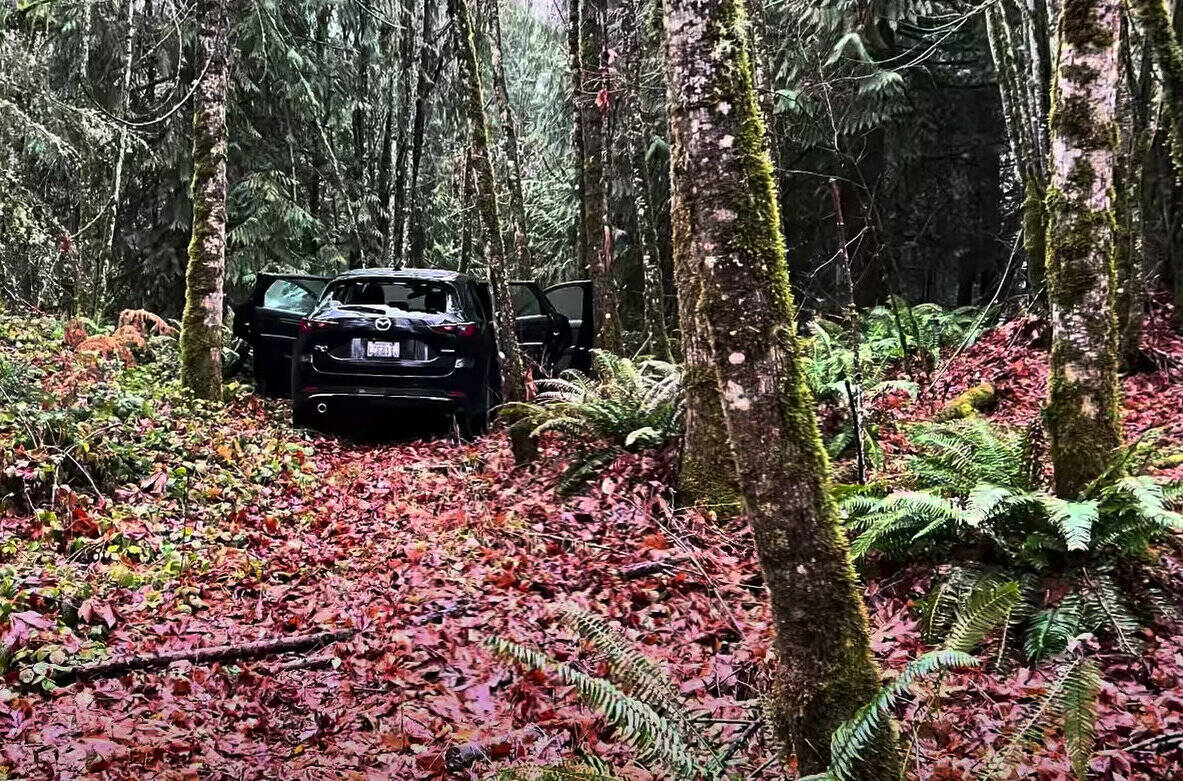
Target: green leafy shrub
[[976, 503], [623, 405]]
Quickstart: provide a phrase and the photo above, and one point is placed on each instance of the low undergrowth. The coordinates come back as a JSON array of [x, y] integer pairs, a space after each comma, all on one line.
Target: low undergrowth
[[112, 479]]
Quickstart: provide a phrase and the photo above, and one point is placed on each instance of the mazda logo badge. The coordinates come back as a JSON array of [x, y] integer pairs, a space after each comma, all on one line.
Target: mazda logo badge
[[382, 323]]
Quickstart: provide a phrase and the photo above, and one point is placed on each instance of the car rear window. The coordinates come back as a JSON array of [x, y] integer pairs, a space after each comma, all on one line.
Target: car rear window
[[409, 295]]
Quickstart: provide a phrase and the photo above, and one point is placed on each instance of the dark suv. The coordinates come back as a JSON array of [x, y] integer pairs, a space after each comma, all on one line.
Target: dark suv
[[416, 338]]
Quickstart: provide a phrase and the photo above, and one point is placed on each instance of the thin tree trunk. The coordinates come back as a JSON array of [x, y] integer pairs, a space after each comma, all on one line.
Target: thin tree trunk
[[726, 225], [201, 324], [413, 229], [360, 122], [524, 267], [595, 106], [513, 381], [573, 55], [654, 291], [107, 253], [1083, 405], [394, 247], [467, 197], [854, 394]]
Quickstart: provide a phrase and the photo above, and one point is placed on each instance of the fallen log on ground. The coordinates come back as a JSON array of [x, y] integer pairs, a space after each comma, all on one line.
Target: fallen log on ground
[[111, 668]]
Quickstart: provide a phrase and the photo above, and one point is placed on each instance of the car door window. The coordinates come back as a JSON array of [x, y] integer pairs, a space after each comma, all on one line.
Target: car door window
[[525, 301], [568, 300], [287, 295]]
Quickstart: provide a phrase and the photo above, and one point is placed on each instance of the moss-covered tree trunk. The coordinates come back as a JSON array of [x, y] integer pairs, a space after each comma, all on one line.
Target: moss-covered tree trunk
[[513, 380], [594, 101], [1160, 35], [1019, 74], [1083, 406], [201, 324], [632, 52], [726, 225]]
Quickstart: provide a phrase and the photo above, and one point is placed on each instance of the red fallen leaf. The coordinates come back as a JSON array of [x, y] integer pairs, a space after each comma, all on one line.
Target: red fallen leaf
[[655, 542], [396, 741], [431, 762], [91, 610], [81, 524]]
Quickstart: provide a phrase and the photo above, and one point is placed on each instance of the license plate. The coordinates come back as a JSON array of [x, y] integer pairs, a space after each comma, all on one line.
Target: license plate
[[381, 349]]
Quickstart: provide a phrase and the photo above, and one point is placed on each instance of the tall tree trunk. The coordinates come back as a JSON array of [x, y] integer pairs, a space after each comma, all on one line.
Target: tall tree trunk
[[726, 225], [1160, 35], [427, 76], [513, 381], [594, 102], [1083, 405], [201, 324], [106, 259], [394, 246], [360, 126], [1017, 63], [574, 60], [524, 267]]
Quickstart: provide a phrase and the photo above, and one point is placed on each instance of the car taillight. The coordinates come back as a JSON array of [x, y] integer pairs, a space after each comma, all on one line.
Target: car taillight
[[310, 326], [462, 330]]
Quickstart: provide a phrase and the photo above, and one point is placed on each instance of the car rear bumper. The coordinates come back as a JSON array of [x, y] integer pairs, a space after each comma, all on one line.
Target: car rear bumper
[[342, 398]]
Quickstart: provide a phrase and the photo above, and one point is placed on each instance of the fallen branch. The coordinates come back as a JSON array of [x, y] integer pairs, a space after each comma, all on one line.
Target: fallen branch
[[646, 568], [112, 668]]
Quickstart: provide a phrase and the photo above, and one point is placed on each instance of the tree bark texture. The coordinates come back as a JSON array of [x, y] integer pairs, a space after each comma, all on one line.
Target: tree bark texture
[[201, 324], [573, 14], [106, 259], [726, 228], [426, 80], [594, 101], [513, 382], [523, 265], [1160, 34], [1083, 405], [394, 245]]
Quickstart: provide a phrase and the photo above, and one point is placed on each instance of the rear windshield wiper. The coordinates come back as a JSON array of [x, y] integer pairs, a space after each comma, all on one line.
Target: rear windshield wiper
[[362, 308]]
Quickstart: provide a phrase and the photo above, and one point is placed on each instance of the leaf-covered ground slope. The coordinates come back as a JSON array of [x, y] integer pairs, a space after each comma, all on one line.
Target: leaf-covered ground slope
[[238, 528]]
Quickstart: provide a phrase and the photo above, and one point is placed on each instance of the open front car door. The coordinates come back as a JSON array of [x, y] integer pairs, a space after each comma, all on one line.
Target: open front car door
[[270, 321]]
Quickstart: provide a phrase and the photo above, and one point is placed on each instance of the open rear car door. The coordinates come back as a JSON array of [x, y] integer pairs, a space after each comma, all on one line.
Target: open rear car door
[[573, 300], [270, 321], [543, 333]]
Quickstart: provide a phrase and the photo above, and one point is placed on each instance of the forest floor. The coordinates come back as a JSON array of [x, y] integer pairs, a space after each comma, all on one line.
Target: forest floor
[[238, 528]]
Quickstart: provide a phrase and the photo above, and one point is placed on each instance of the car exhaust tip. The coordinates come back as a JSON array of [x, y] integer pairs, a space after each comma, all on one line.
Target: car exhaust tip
[[322, 408]]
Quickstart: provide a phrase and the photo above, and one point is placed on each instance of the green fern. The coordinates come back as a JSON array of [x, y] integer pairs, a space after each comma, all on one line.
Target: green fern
[[1071, 702], [653, 737], [854, 739], [567, 771], [623, 405], [973, 496]]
